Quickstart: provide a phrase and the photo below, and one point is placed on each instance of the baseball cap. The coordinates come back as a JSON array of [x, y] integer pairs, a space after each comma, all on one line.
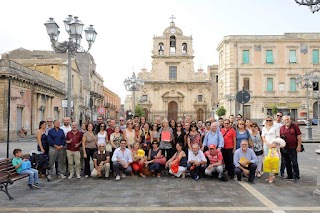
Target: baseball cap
[[212, 146]]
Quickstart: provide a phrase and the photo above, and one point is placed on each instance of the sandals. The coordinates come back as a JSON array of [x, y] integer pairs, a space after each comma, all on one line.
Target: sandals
[[142, 175]]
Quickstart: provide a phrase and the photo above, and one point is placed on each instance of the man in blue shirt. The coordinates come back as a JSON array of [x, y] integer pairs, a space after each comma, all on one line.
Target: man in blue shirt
[[213, 137], [56, 139], [245, 161]]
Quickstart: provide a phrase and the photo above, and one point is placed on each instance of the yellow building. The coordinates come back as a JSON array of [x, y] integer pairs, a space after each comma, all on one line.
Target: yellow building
[[112, 103], [34, 97], [267, 66], [172, 89]]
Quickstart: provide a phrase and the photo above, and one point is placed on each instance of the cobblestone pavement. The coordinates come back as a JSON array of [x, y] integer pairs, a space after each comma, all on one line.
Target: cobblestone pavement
[[166, 194]]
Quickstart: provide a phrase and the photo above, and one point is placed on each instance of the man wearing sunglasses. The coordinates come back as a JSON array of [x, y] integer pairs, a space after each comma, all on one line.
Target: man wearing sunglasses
[[122, 123], [278, 124]]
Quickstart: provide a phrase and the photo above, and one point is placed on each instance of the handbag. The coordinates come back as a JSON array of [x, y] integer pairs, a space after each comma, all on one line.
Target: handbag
[[161, 161], [174, 166], [271, 162], [108, 147], [25, 165]]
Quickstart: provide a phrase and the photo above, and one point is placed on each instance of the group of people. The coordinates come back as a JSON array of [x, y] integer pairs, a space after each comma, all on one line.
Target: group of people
[[226, 147]]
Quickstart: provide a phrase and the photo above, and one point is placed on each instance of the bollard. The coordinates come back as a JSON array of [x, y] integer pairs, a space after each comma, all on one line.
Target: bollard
[[317, 191]]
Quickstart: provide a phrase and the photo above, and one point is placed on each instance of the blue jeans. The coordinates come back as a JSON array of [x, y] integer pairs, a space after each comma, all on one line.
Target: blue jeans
[[33, 175]]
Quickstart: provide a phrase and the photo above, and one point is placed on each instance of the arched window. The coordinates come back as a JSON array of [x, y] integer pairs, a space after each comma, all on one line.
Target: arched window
[[161, 48], [184, 49], [172, 44]]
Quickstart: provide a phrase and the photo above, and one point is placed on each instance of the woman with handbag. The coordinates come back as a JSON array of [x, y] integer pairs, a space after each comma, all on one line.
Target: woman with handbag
[[154, 158], [269, 133], [178, 163], [166, 135]]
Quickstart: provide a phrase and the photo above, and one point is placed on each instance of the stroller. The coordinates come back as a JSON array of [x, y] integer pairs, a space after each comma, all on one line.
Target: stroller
[[40, 162]]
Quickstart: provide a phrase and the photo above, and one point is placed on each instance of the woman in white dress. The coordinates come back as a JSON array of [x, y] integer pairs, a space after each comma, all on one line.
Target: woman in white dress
[[269, 133]]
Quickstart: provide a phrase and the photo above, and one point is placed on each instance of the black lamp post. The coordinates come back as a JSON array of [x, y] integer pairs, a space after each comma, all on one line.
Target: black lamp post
[[74, 28]]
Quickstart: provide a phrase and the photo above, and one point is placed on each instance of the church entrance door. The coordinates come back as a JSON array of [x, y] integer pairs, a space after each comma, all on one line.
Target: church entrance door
[[173, 110]]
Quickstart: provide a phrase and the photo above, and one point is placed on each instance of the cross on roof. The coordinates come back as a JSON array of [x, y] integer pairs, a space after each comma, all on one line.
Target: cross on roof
[[172, 18]]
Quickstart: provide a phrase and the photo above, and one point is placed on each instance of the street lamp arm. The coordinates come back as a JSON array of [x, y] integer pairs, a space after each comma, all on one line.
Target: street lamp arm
[[59, 47]]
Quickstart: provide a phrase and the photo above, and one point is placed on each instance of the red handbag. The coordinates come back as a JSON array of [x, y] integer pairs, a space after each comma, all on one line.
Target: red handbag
[[174, 166]]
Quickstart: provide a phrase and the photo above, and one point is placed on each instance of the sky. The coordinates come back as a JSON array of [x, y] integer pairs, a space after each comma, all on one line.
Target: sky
[[126, 28]]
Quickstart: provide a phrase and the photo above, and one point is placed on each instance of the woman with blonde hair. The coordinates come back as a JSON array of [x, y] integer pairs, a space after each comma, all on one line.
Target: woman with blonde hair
[[269, 133], [129, 134], [166, 139]]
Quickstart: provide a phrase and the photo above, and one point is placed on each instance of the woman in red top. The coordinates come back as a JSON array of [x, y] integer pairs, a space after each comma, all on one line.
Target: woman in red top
[[229, 136]]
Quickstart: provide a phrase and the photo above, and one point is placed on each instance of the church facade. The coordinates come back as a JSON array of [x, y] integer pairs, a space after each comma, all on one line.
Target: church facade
[[172, 89]]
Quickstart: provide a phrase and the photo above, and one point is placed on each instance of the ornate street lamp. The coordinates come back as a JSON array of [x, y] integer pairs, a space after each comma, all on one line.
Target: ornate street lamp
[[307, 81], [314, 5], [133, 84], [74, 28]]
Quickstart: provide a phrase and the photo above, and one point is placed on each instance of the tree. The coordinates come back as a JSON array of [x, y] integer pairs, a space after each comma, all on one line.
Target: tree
[[139, 111], [274, 109], [221, 111]]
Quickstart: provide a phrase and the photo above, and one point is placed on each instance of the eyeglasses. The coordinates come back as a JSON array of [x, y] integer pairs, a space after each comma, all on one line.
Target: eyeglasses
[[121, 120], [268, 120], [226, 123], [212, 149], [193, 126], [279, 116], [102, 126], [49, 121], [101, 146], [179, 126]]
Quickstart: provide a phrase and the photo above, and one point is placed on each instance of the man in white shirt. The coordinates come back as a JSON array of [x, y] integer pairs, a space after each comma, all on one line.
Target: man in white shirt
[[121, 160], [66, 127], [278, 124], [196, 162]]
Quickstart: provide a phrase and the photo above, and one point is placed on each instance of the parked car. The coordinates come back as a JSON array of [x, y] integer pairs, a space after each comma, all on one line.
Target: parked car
[[301, 121], [314, 121]]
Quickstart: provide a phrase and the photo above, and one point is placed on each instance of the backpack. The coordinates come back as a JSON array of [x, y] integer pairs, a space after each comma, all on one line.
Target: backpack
[[224, 176]]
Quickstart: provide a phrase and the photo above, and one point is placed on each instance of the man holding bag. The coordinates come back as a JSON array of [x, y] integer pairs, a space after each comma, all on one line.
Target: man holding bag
[[245, 161], [292, 135]]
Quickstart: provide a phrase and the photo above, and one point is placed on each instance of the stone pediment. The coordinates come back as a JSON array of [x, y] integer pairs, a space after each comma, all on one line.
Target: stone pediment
[[173, 94]]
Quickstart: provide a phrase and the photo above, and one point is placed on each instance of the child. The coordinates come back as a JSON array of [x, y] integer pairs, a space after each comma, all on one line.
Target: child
[[33, 173]]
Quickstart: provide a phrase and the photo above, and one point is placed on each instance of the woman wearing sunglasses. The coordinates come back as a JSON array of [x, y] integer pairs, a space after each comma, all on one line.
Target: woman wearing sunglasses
[[269, 133]]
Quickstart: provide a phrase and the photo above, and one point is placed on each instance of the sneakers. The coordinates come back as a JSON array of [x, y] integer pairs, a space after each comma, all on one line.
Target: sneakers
[[49, 177], [78, 176], [123, 175], [86, 176], [118, 177], [62, 176], [30, 187], [70, 177], [36, 186]]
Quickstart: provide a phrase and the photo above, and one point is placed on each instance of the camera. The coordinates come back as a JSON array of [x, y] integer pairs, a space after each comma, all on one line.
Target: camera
[[283, 137]]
